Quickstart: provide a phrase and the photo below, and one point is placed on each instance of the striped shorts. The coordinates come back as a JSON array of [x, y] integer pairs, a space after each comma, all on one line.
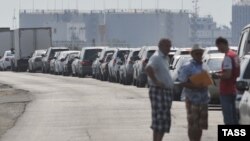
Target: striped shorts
[[161, 102]]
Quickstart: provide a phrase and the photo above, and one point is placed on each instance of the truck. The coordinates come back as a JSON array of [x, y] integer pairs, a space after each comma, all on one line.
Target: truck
[[6, 41], [26, 41]]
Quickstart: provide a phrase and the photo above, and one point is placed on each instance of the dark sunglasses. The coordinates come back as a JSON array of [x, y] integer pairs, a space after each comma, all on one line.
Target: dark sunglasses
[[198, 53]]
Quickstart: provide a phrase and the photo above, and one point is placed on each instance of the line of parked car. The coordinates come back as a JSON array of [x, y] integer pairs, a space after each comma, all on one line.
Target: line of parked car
[[120, 65], [125, 65]]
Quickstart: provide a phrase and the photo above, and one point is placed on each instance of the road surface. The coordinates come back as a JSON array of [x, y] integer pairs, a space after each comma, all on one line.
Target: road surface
[[85, 109]]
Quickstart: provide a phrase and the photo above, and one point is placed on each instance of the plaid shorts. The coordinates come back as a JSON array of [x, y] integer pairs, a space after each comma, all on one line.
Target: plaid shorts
[[197, 116], [161, 102]]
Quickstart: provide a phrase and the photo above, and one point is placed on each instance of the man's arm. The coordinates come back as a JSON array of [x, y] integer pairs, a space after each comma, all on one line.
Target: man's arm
[[227, 69], [227, 74], [150, 72]]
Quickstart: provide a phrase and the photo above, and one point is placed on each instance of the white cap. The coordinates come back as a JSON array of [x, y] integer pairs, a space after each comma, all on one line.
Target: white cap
[[197, 47]]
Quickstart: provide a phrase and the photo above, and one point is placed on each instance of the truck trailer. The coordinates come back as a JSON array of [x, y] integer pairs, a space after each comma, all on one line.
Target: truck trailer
[[26, 41], [6, 41]]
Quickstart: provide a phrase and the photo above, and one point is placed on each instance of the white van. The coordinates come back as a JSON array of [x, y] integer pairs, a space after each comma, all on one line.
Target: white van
[[243, 103]]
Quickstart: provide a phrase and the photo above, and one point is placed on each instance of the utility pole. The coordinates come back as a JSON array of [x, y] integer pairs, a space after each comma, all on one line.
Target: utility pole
[[141, 4], [157, 4], [194, 24], [117, 4], [129, 4], [76, 4], [181, 5], [14, 20], [33, 5], [196, 7], [104, 4]]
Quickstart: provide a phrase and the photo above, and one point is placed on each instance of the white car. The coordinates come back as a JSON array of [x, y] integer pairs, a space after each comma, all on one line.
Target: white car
[[115, 63], [35, 62], [96, 70], [174, 71], [178, 53], [67, 69], [212, 63], [243, 94], [139, 75], [74, 65], [52, 62], [5, 61]]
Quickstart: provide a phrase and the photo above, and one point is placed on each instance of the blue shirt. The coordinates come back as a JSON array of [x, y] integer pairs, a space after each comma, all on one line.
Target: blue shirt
[[196, 96]]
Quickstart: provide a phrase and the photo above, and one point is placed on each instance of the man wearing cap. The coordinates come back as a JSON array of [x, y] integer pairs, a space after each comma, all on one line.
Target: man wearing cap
[[160, 89], [196, 96]]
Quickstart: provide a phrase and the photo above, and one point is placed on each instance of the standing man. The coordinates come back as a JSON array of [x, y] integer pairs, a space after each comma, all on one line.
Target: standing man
[[160, 89], [229, 72], [197, 96]]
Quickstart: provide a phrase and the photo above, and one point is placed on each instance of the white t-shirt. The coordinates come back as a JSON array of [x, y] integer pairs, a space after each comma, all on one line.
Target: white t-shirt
[[159, 62]]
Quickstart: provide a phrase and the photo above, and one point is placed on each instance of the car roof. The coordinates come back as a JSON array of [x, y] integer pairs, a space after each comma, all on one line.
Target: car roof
[[97, 47], [61, 47], [214, 55]]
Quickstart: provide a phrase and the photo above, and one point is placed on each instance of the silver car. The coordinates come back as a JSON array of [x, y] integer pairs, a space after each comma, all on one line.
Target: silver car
[[5, 61], [35, 62]]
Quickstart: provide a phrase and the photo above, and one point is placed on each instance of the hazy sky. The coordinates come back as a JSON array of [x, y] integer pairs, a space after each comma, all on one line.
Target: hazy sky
[[221, 10]]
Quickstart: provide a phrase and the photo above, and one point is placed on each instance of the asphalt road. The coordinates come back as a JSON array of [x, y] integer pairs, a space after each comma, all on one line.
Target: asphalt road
[[85, 109]]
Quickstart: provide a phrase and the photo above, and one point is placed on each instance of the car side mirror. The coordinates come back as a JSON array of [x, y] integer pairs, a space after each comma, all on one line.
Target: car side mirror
[[43, 55], [242, 85], [136, 58], [101, 61], [171, 67]]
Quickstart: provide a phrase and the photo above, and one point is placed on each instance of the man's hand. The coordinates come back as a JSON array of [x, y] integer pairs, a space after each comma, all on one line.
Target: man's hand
[[215, 75], [201, 86], [159, 84]]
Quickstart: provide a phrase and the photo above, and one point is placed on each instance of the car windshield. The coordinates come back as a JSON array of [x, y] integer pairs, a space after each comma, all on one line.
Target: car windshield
[[53, 51], [182, 61], [213, 51], [107, 52], [246, 73], [150, 53], [9, 54], [185, 52], [214, 64], [39, 53], [91, 54]]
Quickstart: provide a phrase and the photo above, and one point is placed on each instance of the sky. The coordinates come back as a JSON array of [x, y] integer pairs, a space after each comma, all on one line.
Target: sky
[[220, 10]]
